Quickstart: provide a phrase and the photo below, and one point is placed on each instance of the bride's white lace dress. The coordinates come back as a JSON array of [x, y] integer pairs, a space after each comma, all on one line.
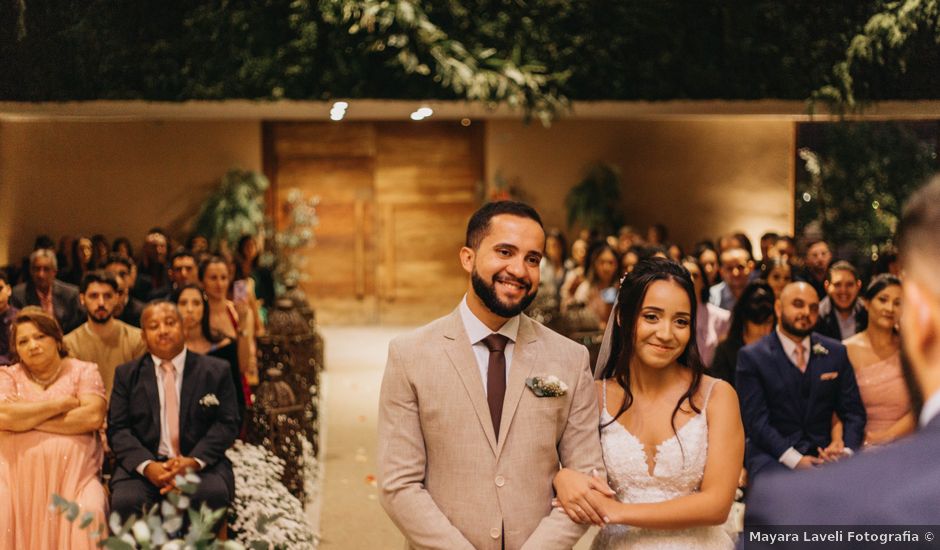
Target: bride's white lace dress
[[677, 472]]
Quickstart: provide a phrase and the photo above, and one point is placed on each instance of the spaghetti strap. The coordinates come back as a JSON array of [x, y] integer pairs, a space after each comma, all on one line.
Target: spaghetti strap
[[708, 393], [605, 395]]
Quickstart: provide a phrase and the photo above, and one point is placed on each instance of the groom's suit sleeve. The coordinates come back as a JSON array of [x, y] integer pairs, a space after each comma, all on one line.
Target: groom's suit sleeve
[[402, 458], [580, 450]]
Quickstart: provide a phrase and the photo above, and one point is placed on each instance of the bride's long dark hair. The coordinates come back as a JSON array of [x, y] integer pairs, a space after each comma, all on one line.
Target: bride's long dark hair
[[630, 302]]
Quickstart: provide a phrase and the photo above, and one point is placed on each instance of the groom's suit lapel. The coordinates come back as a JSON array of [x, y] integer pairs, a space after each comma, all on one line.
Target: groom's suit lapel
[[457, 347], [523, 361], [147, 377]]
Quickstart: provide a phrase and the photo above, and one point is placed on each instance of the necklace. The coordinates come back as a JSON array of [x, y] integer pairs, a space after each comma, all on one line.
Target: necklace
[[45, 382]]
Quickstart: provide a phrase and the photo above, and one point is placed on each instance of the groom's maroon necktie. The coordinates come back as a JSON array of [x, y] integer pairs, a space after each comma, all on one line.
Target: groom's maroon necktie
[[496, 377]]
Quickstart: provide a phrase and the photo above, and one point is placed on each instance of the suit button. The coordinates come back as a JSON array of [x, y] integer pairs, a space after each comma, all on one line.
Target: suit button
[[500, 481], [495, 532]]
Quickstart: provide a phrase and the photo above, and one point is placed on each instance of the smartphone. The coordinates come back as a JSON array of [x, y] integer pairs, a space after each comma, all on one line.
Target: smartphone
[[240, 290]]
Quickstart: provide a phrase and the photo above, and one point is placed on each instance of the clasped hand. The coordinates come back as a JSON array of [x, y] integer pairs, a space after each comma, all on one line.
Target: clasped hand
[[163, 474], [586, 499]]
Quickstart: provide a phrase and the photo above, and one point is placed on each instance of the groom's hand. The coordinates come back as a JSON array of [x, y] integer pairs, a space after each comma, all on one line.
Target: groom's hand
[[574, 491]]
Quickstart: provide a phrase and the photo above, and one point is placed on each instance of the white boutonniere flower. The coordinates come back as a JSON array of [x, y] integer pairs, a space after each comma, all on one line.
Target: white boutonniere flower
[[819, 349], [549, 386], [209, 400]]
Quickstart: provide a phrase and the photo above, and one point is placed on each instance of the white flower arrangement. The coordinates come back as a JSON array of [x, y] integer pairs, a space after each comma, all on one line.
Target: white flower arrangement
[[264, 508], [819, 349], [549, 386], [209, 400]]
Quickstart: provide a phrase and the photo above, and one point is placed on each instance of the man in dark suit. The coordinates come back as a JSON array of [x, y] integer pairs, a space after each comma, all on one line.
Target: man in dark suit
[[841, 313], [898, 484], [55, 297], [171, 411], [790, 383]]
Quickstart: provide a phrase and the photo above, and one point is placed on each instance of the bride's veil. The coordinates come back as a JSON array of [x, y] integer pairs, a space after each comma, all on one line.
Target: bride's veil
[[604, 354]]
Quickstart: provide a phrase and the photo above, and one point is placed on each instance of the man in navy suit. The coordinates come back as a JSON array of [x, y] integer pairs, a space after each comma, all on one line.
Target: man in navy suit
[[900, 483], [790, 383], [171, 411]]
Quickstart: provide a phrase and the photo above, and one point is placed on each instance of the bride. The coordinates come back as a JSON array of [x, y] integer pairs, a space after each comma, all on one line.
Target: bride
[[672, 437]]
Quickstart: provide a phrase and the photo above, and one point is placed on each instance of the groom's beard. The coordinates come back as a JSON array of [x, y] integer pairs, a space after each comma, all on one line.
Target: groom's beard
[[913, 388], [487, 294]]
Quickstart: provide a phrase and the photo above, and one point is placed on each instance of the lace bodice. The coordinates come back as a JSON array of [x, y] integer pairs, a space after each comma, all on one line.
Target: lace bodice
[[678, 468]]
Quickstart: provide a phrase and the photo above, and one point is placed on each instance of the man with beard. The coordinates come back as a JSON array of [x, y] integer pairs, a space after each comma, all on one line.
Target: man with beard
[[479, 408], [790, 384], [103, 339], [899, 484]]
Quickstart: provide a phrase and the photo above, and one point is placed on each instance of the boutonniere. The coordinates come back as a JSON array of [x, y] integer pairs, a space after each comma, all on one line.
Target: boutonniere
[[209, 400], [819, 349], [550, 386]]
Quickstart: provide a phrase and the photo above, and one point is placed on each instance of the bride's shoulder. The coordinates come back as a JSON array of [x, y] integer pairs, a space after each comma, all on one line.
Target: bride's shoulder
[[713, 390]]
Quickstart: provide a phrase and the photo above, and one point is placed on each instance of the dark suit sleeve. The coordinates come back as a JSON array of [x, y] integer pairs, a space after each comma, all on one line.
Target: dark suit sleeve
[[128, 450], [221, 434], [849, 405], [754, 410]]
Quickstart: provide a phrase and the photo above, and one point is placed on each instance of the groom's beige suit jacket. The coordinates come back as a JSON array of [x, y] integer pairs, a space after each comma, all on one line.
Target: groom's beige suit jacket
[[445, 479]]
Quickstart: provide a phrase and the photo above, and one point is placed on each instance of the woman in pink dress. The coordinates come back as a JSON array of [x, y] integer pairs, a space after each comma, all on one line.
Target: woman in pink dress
[[875, 356], [51, 408]]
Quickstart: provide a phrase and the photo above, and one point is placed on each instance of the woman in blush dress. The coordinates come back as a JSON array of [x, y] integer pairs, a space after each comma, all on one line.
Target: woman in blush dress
[[672, 437], [875, 354], [51, 407]]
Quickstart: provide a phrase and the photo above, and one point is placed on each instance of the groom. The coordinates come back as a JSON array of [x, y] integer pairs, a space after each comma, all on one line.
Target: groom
[[467, 448]]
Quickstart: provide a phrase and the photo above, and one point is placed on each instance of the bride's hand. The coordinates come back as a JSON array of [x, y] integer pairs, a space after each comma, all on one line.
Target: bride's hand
[[572, 489]]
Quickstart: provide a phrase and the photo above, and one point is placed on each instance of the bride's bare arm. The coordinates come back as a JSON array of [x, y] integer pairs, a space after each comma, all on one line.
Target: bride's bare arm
[[709, 506]]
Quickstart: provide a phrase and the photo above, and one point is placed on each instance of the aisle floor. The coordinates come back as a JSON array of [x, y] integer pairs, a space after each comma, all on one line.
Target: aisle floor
[[350, 515]]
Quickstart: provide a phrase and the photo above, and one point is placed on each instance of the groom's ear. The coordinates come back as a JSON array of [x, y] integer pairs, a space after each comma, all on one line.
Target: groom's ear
[[467, 257]]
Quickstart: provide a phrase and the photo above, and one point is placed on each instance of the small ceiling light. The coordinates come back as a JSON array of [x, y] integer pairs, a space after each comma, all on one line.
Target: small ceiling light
[[465, 122], [338, 111], [422, 113]]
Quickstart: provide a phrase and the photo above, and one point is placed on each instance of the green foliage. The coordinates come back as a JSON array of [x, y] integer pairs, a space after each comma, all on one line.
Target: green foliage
[[857, 184], [157, 530], [235, 209], [530, 53], [594, 203], [897, 50]]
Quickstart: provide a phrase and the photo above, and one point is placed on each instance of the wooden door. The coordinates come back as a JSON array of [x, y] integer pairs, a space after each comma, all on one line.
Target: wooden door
[[394, 202]]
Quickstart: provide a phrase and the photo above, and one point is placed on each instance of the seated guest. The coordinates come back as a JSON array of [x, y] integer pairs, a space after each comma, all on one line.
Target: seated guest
[[735, 273], [816, 266], [711, 322], [100, 250], [875, 354], [51, 408], [182, 270], [231, 319], [102, 339], [82, 254], [247, 265], [52, 295], [152, 266], [127, 308], [791, 383], [171, 411], [751, 319], [122, 247], [841, 313], [777, 272], [193, 305], [22, 275], [7, 313], [594, 292]]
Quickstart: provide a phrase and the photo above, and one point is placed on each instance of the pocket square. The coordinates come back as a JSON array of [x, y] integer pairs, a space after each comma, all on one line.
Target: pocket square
[[828, 376]]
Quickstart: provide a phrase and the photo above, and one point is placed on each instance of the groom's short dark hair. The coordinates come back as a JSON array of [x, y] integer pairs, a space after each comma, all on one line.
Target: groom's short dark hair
[[917, 230], [479, 224]]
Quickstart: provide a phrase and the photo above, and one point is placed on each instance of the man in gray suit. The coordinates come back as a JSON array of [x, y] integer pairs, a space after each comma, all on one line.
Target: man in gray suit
[[55, 297], [469, 440], [899, 484]]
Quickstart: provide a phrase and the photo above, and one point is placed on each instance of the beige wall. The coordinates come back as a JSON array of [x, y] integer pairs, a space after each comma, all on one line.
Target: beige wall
[[699, 177], [116, 178]]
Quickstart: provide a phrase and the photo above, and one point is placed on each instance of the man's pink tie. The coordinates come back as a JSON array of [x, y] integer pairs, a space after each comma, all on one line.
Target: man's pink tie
[[172, 403], [801, 357]]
